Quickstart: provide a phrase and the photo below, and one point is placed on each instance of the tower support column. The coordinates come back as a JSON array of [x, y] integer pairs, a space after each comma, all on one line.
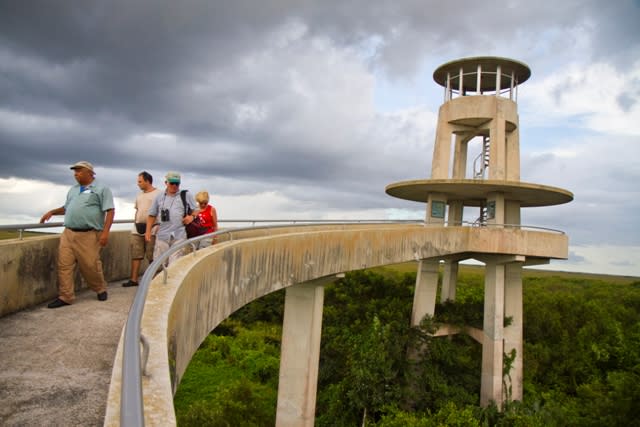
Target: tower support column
[[498, 148], [424, 298], [513, 334], [450, 269], [492, 342], [441, 149], [449, 281], [300, 355], [502, 299]]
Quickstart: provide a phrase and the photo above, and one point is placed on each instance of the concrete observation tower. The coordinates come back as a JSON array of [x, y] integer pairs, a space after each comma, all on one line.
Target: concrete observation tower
[[476, 164]]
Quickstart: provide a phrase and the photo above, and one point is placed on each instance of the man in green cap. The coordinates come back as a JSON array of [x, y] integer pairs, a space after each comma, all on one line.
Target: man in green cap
[[168, 211]]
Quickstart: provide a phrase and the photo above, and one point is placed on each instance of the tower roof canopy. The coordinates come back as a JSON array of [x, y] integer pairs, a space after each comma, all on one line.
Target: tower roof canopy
[[489, 66]]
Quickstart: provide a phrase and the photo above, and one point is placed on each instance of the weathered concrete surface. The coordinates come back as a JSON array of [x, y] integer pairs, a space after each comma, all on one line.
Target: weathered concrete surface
[[56, 364], [28, 269], [300, 355], [204, 288]]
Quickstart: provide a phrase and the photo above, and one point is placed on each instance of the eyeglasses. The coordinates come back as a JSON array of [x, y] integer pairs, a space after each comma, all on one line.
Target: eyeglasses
[[174, 183]]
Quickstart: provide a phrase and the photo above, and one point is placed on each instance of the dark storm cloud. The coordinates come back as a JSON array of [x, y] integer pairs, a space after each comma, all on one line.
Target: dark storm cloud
[[251, 90]]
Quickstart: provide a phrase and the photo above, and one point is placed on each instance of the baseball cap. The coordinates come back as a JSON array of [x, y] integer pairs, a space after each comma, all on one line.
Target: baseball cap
[[173, 177], [82, 164]]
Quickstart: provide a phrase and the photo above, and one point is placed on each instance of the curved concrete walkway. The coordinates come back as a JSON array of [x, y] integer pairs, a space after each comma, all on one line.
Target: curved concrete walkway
[[56, 364]]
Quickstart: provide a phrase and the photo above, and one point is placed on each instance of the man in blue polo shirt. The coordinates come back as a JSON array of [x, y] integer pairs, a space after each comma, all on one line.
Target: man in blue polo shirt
[[88, 215]]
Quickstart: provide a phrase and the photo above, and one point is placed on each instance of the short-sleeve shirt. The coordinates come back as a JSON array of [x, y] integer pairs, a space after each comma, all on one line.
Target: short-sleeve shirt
[[142, 205], [86, 205], [173, 203]]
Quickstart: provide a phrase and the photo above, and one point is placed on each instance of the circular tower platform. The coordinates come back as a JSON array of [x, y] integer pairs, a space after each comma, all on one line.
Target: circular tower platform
[[475, 192], [468, 67]]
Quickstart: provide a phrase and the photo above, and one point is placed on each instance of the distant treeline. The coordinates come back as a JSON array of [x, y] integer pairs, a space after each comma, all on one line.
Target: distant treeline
[[15, 234], [581, 358]]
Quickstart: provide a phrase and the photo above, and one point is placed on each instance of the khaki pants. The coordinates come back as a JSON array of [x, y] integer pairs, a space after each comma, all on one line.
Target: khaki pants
[[163, 246], [83, 249], [140, 248]]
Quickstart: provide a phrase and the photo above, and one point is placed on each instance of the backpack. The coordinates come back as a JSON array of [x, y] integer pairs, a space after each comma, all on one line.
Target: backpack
[[194, 229]]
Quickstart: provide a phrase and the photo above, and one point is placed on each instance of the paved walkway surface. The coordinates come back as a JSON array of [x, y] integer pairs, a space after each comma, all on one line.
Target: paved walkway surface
[[55, 364]]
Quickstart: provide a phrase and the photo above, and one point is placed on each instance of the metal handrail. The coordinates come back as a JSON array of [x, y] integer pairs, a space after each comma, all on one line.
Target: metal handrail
[[24, 227], [21, 228], [499, 225]]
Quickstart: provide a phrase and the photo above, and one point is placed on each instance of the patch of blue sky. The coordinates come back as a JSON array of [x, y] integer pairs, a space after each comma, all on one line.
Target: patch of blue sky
[[538, 137], [406, 92]]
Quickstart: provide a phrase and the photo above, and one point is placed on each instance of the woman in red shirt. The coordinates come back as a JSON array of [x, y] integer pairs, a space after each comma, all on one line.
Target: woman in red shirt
[[207, 216]]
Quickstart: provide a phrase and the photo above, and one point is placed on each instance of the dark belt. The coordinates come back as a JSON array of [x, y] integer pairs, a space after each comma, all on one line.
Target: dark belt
[[81, 230]]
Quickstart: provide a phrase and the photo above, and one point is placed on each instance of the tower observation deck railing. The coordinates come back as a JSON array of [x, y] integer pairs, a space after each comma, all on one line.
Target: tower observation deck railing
[[455, 84]]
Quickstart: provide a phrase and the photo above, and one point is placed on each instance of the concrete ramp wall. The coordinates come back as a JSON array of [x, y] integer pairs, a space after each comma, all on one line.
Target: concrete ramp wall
[[28, 269], [204, 288]]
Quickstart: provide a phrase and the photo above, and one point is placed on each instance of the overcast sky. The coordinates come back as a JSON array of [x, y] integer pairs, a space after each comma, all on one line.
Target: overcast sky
[[308, 109]]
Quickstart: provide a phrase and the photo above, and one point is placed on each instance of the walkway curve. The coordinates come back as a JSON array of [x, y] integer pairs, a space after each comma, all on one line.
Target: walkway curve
[[205, 288]]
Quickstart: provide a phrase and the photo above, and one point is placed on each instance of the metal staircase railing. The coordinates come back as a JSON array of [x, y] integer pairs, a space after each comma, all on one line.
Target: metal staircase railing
[[482, 219], [481, 162]]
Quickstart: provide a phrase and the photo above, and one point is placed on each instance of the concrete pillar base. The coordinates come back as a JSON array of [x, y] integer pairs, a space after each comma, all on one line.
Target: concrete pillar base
[[503, 298], [492, 344], [513, 334], [449, 281], [424, 298], [300, 354]]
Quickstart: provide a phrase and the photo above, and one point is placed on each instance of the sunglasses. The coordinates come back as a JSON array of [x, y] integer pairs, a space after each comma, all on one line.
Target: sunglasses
[[174, 183]]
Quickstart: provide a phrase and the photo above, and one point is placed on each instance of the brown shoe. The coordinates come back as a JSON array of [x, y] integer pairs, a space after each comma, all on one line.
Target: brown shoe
[[130, 283]]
